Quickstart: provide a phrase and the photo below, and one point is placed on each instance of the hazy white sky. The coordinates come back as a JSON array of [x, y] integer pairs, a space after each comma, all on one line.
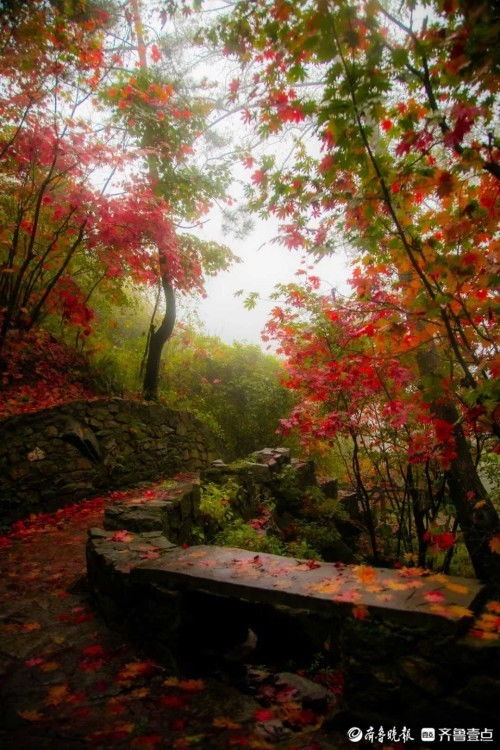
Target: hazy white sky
[[224, 314], [264, 263]]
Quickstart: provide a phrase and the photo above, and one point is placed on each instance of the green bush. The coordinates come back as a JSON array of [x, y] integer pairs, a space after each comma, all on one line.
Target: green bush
[[303, 550], [235, 389], [240, 534], [216, 501]]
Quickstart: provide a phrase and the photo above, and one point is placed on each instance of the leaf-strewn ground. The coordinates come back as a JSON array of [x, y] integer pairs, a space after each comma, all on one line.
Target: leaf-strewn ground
[[68, 681]]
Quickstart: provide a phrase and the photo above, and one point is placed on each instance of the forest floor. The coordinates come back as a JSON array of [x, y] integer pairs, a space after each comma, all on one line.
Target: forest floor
[[68, 681]]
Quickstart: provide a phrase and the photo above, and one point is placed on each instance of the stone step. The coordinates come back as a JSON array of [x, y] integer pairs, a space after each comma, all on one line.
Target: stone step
[[172, 510]]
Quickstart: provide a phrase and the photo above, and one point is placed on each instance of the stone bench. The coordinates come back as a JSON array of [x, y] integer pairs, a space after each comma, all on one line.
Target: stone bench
[[436, 601], [397, 634]]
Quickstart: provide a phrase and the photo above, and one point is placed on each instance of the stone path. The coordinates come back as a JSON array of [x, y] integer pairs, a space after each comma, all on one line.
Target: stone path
[[68, 681]]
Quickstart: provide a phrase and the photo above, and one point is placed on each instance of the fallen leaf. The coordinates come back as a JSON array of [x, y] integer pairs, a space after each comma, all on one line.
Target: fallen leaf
[[29, 626], [139, 693], [457, 588], [264, 714], [365, 574], [146, 741], [434, 597], [57, 695], [494, 544], [135, 669], [192, 686], [307, 565], [35, 662], [223, 722], [326, 586], [116, 734], [93, 651], [49, 666], [349, 595], [173, 701], [121, 536], [150, 555], [30, 715], [360, 612]]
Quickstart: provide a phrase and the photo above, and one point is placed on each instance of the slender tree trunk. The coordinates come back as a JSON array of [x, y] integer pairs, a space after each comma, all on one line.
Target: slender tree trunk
[[364, 498], [156, 342], [418, 515], [157, 338], [475, 512]]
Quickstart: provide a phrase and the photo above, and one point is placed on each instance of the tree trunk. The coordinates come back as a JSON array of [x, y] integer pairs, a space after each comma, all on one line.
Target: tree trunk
[[475, 512], [157, 341]]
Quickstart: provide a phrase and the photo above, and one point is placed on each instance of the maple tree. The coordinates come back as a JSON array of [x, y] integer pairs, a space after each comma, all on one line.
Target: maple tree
[[401, 161], [76, 123], [167, 121], [388, 116]]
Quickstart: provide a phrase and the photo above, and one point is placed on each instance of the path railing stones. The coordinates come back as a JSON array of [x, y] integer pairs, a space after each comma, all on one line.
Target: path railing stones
[[174, 511]]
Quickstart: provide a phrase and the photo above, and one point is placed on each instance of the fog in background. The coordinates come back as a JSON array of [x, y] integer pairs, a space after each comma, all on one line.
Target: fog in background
[[263, 265]]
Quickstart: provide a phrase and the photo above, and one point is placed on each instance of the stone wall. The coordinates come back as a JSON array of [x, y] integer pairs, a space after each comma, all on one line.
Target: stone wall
[[80, 449]]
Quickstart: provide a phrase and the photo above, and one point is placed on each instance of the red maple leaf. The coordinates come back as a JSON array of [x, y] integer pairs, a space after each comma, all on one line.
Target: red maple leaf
[[121, 536]]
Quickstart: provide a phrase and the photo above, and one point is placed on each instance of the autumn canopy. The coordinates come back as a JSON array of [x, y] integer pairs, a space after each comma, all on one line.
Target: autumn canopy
[[385, 120]]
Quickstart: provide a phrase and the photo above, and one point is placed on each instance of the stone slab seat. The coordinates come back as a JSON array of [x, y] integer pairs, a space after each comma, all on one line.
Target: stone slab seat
[[405, 660], [437, 601]]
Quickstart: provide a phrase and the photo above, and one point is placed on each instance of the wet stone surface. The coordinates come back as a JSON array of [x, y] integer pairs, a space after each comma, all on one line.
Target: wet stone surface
[[437, 601]]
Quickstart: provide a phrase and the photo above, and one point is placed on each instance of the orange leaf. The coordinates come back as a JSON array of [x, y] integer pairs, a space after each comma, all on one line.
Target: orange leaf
[[191, 686], [57, 695], [28, 626], [494, 544], [30, 715], [135, 669], [49, 666], [365, 574], [139, 693], [457, 587]]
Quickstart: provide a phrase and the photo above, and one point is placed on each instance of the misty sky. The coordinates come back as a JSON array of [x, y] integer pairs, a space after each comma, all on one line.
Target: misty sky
[[223, 314]]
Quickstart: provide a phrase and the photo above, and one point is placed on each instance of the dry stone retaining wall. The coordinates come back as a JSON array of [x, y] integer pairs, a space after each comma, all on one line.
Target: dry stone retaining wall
[[80, 449]]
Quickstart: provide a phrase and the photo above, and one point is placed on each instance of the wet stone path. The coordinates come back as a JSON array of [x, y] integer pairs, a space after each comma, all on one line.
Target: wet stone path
[[69, 681]]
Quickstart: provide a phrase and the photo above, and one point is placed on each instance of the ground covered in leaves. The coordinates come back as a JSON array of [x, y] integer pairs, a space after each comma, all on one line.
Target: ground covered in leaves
[[68, 681]]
